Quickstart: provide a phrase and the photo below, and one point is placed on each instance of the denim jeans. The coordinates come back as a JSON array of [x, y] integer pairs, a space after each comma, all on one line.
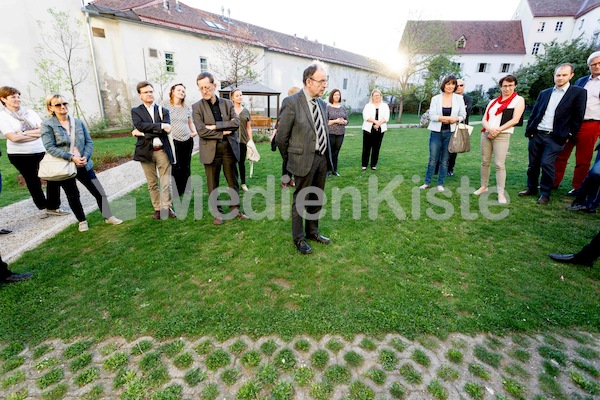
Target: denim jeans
[[438, 151]]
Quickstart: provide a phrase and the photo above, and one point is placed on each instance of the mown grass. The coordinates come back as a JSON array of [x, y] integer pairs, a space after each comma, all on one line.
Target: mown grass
[[419, 275]]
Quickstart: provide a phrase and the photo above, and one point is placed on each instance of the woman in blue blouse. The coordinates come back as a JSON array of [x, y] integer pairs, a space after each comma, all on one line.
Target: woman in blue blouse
[[446, 110]]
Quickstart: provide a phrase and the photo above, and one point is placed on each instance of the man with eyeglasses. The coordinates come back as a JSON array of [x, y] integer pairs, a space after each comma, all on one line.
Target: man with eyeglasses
[[556, 117], [589, 132], [217, 123], [302, 138]]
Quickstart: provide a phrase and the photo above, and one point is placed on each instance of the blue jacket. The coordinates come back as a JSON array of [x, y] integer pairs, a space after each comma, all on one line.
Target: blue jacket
[[58, 143], [583, 80]]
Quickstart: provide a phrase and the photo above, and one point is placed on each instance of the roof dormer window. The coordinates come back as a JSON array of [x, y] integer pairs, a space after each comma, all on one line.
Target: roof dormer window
[[461, 42]]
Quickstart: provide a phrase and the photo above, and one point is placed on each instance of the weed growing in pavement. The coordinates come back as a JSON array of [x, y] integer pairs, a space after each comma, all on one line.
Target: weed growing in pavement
[[359, 390], [338, 374], [376, 375], [285, 359], [303, 376], [302, 345], [367, 344], [77, 349], [334, 345], [420, 357], [238, 347], [488, 357], [249, 390], [515, 388], [475, 390], [269, 347], [553, 354], [217, 359], [173, 348], [447, 373], [194, 376], [80, 362], [454, 356], [437, 390], [231, 375], [388, 359], [479, 371], [410, 373], [251, 359], [116, 361], [183, 361], [319, 359], [353, 358], [87, 376], [397, 390]]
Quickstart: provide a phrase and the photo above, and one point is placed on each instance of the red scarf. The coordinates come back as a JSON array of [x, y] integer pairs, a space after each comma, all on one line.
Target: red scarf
[[503, 105]]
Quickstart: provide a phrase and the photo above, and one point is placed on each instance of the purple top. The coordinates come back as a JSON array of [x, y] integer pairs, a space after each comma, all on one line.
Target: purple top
[[335, 113]]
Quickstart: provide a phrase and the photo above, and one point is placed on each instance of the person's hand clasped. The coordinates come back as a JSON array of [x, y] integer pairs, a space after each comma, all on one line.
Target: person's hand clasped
[[166, 128], [79, 161]]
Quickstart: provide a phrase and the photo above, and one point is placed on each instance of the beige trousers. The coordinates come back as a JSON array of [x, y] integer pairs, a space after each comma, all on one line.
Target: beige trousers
[[499, 148], [158, 176]]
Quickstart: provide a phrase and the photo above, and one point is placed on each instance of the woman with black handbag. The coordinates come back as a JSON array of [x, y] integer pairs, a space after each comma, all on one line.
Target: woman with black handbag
[[501, 116]]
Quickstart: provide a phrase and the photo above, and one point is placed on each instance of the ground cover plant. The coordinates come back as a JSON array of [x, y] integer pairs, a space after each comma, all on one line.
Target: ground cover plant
[[413, 274]]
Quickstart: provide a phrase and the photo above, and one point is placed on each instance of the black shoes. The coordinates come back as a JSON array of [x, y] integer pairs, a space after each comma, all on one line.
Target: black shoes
[[580, 207], [5, 231], [528, 193], [544, 199], [303, 247], [16, 277], [572, 192], [570, 258], [319, 238]]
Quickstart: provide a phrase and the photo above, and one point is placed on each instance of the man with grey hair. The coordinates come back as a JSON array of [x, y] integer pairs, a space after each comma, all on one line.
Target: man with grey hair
[[588, 133], [302, 139], [556, 117]]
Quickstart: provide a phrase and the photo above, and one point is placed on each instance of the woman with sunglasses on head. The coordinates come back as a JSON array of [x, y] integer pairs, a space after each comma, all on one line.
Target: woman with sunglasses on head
[[244, 133], [56, 134], [183, 132], [21, 127]]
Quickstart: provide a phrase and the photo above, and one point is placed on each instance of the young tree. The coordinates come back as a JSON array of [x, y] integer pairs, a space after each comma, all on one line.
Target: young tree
[[422, 42], [238, 60], [538, 76], [160, 77], [60, 65]]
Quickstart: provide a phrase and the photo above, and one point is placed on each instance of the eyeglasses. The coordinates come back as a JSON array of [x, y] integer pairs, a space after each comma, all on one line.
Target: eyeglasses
[[147, 92], [595, 64], [460, 85], [321, 82], [508, 86], [60, 104]]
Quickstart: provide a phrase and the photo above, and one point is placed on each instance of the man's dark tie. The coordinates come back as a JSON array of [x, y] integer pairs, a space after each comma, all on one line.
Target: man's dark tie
[[321, 139]]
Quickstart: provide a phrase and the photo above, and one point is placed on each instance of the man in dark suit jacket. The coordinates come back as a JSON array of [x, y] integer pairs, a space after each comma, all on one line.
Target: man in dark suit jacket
[[152, 126], [556, 117], [217, 122], [302, 139], [588, 133]]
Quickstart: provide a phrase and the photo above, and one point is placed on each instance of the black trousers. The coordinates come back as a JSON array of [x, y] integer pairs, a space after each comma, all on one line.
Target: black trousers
[[225, 159], [316, 179], [543, 151], [181, 171], [336, 142], [72, 192], [242, 162], [371, 146], [92, 184], [28, 165]]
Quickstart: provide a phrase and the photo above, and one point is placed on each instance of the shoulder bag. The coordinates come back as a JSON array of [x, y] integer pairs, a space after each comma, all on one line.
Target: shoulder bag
[[58, 169], [460, 141]]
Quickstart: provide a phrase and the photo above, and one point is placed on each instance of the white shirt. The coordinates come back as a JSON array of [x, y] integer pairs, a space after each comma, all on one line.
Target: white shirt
[[9, 124], [156, 142], [547, 122], [310, 107], [592, 108]]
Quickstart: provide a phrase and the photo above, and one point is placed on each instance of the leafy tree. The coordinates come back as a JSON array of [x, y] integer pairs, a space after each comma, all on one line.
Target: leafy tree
[[60, 64], [421, 44], [160, 77], [538, 76]]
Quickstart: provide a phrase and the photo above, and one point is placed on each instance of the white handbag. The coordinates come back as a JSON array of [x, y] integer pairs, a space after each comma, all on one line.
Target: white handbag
[[58, 169]]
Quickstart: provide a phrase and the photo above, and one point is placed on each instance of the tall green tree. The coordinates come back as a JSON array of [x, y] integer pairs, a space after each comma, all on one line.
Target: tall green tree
[[538, 76]]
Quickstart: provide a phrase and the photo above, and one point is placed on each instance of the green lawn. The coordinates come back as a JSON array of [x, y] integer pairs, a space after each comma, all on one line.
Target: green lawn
[[421, 274], [104, 149]]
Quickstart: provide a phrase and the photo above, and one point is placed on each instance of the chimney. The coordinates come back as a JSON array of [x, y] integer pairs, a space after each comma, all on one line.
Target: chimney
[[177, 6], [166, 4]]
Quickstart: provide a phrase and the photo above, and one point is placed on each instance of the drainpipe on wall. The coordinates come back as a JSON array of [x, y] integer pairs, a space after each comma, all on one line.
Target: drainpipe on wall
[[94, 65]]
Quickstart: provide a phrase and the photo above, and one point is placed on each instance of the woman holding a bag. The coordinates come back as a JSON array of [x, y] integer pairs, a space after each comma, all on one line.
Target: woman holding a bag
[[446, 110], [499, 120], [21, 127], [57, 134], [244, 132]]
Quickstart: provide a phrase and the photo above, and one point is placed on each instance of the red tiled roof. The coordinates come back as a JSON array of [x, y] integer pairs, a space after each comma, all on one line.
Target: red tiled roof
[[561, 8], [482, 37], [193, 20]]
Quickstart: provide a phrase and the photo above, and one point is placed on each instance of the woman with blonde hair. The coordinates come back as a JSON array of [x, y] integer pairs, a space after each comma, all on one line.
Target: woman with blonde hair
[[376, 114], [244, 133], [56, 133]]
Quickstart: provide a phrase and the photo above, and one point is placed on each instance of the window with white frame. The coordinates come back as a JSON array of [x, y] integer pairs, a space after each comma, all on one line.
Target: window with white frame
[[506, 68], [170, 62], [541, 26], [596, 38], [203, 64], [153, 53], [536, 48], [482, 67], [345, 86], [558, 27], [461, 42], [581, 24]]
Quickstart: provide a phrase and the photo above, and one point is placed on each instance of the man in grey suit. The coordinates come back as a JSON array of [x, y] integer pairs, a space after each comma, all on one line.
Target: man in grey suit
[[302, 140], [217, 122]]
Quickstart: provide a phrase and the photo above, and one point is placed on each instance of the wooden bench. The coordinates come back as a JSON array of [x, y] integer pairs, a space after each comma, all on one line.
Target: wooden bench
[[261, 123]]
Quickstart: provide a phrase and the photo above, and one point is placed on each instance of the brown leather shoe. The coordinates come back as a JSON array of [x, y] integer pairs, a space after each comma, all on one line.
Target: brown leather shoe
[[242, 216], [172, 214], [544, 199], [528, 193], [156, 214], [218, 221]]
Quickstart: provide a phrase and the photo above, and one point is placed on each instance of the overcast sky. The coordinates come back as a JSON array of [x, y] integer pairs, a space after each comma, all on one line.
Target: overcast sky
[[371, 29]]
